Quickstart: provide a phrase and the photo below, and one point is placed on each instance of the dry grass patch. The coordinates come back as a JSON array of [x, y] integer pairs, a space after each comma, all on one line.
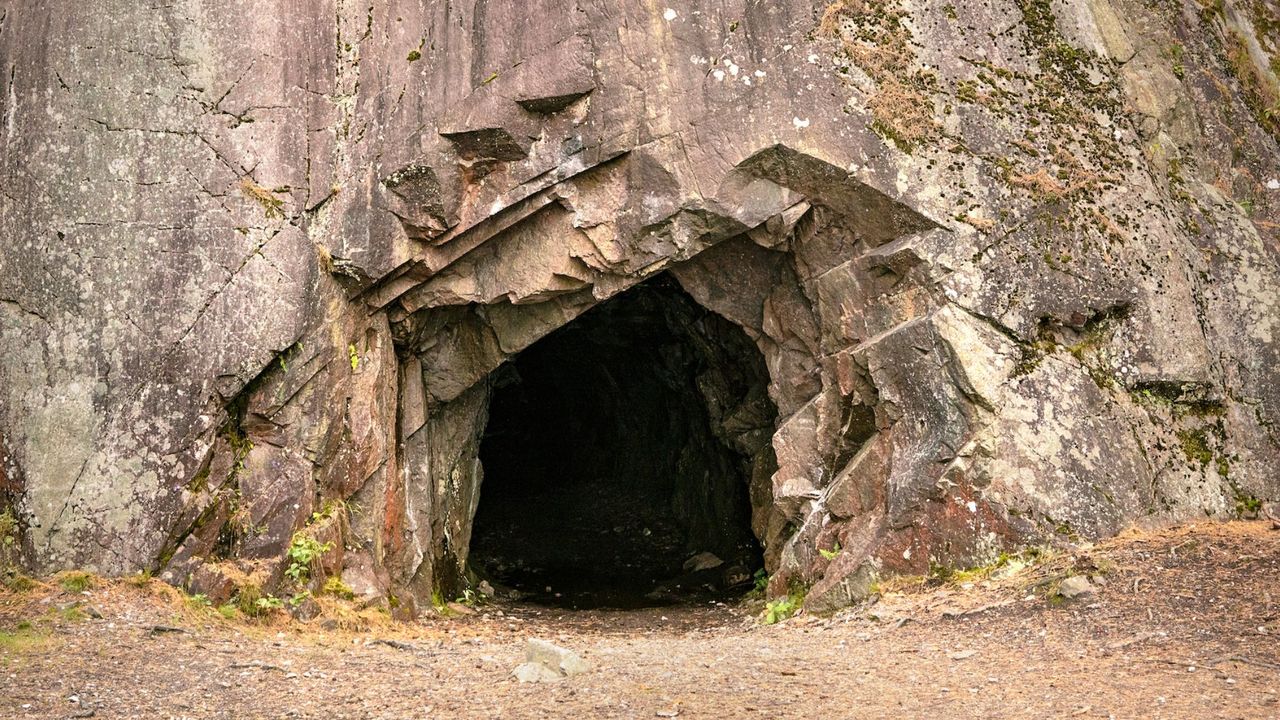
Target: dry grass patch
[[1261, 92], [874, 38]]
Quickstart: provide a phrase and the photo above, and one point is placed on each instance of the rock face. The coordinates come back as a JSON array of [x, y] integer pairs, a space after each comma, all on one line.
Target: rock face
[[1012, 267]]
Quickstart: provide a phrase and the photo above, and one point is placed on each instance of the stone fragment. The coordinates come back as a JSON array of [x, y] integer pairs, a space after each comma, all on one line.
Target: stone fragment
[[560, 660], [458, 608], [212, 582], [702, 561], [1076, 587], [306, 610]]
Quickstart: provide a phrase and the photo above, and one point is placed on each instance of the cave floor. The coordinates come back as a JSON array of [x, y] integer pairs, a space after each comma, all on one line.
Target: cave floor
[[1184, 623]]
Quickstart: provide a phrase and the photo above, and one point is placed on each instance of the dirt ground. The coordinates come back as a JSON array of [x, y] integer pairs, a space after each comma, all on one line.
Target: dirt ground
[[1185, 623]]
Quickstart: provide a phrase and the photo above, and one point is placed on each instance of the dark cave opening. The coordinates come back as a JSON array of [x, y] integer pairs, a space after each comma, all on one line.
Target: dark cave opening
[[618, 457]]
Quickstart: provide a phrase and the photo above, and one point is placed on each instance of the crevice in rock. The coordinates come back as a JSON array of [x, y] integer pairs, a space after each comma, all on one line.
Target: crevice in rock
[[215, 485], [618, 457]]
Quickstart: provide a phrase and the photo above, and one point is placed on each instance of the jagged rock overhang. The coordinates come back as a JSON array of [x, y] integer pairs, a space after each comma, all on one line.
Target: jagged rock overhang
[[761, 253], [541, 195]]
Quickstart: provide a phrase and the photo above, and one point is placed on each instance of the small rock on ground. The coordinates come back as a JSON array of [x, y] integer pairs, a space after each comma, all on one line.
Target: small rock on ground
[[1076, 586], [702, 561], [545, 662]]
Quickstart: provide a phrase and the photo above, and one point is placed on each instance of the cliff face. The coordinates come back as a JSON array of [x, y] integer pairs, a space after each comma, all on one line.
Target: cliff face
[[1011, 269]]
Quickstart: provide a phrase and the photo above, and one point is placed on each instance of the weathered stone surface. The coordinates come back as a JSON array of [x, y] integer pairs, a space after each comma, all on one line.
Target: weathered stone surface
[[1076, 587], [531, 672], [1012, 267], [560, 660]]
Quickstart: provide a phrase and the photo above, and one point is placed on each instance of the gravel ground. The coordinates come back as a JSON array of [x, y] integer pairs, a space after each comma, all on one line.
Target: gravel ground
[[1183, 623]]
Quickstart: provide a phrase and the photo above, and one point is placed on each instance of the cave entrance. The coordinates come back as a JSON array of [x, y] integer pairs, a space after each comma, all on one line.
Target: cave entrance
[[618, 457]]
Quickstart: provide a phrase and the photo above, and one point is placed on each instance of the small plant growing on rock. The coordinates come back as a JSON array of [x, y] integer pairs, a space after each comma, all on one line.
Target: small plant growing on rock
[[334, 586], [14, 580], [271, 205], [471, 598], [775, 611], [759, 583], [253, 603], [8, 535], [1176, 53], [331, 508], [303, 553], [1248, 506], [264, 605], [1195, 446], [781, 609]]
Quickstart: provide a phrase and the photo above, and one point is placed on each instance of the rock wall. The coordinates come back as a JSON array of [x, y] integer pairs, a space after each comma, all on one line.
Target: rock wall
[[1012, 266]]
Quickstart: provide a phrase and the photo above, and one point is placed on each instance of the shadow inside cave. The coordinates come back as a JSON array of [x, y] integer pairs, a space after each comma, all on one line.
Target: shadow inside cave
[[618, 455]]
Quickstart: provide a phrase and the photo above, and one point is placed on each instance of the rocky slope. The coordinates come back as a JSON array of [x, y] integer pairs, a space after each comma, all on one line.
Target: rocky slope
[[1012, 267]]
